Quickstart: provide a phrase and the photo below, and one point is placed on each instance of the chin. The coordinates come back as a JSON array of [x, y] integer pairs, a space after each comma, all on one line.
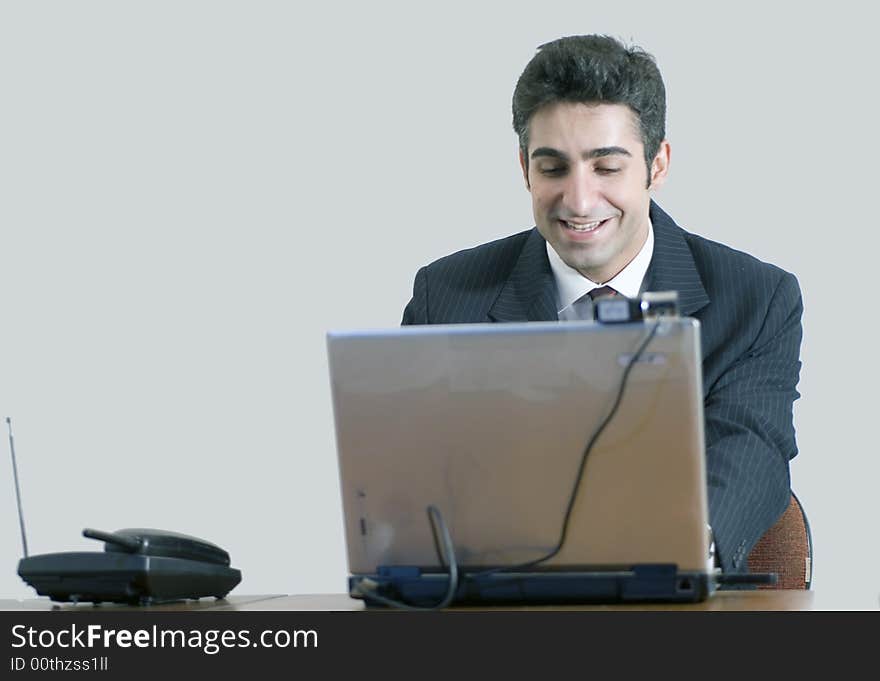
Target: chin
[[573, 258]]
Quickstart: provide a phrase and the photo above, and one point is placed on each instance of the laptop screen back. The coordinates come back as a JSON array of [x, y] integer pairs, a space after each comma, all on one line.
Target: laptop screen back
[[489, 422]]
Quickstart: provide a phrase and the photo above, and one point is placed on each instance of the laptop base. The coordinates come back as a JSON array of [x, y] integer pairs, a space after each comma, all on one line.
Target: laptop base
[[638, 584]]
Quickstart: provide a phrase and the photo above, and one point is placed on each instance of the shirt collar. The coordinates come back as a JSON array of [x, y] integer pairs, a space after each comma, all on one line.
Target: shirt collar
[[571, 284]]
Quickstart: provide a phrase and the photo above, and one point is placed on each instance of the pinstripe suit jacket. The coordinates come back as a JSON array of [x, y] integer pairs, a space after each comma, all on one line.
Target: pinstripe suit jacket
[[750, 315]]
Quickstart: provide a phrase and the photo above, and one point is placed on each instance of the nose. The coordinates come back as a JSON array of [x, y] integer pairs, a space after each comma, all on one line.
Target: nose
[[580, 192]]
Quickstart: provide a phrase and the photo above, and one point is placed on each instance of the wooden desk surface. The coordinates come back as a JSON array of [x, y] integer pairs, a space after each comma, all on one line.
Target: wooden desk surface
[[730, 600], [721, 601]]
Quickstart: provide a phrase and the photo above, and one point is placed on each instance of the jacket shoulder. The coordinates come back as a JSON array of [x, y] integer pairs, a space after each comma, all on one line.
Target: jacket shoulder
[[461, 287], [494, 259], [721, 265]]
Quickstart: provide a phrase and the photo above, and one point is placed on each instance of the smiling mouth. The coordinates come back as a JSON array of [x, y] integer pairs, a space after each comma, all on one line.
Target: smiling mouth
[[583, 227]]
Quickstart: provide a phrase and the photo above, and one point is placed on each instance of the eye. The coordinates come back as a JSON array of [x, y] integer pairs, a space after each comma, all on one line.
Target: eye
[[603, 170], [552, 171]]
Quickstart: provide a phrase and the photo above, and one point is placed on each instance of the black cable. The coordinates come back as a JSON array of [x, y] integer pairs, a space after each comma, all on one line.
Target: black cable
[[748, 578], [369, 593]]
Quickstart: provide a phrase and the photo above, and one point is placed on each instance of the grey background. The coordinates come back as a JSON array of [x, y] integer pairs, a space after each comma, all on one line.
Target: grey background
[[193, 193]]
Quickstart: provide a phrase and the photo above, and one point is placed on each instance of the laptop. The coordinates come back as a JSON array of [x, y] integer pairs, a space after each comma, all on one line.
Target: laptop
[[488, 423]]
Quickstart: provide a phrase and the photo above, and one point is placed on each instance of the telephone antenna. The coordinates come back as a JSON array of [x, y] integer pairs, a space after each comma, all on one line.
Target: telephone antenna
[[17, 491]]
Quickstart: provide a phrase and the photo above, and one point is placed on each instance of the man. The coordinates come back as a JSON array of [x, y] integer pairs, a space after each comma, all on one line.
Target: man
[[590, 116]]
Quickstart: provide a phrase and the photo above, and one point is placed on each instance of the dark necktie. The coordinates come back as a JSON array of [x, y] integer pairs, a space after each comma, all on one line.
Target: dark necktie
[[602, 292], [582, 308]]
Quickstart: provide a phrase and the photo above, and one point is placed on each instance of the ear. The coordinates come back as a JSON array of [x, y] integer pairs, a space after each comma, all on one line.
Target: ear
[[660, 165], [524, 164]]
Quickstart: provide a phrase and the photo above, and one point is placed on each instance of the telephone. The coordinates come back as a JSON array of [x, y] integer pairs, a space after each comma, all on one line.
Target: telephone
[[138, 565]]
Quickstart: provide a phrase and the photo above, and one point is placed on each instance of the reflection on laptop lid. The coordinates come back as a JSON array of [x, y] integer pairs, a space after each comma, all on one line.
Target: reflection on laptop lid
[[489, 423]]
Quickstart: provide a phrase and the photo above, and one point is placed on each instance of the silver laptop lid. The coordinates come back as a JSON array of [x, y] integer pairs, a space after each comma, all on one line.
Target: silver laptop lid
[[488, 422]]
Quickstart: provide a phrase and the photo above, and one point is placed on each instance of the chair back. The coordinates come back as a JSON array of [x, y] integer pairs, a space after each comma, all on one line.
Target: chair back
[[786, 549]]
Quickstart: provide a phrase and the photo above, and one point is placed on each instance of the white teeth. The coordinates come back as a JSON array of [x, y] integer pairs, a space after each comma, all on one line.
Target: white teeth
[[589, 227]]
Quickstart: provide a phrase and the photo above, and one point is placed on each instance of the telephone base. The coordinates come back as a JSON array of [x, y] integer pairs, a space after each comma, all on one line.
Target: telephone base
[[124, 578]]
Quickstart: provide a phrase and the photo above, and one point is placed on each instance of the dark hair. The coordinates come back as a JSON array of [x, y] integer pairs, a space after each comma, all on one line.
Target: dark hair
[[593, 69]]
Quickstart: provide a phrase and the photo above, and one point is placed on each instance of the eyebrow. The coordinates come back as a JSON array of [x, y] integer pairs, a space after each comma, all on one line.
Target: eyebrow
[[592, 153]]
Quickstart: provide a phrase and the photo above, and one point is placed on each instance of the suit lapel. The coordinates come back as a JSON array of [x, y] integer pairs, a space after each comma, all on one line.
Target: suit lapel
[[672, 266], [529, 294]]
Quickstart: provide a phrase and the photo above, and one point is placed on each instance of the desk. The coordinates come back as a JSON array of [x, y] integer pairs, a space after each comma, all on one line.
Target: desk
[[720, 601]]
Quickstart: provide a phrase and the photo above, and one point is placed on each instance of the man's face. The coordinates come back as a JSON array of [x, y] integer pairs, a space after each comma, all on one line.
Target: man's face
[[586, 174]]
